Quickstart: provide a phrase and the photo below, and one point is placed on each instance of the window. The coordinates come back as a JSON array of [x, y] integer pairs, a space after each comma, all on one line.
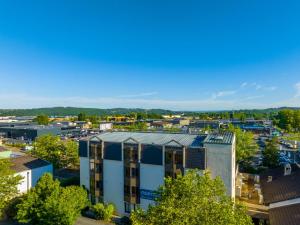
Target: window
[[131, 152], [134, 191], [98, 168], [127, 171], [127, 207], [178, 158], [169, 174], [99, 185], [135, 172], [126, 190], [168, 157]]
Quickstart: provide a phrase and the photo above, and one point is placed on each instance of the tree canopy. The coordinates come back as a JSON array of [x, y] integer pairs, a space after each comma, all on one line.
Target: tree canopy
[[245, 144], [60, 153], [192, 199], [271, 154], [81, 116], [49, 204], [42, 119], [8, 183], [288, 120]]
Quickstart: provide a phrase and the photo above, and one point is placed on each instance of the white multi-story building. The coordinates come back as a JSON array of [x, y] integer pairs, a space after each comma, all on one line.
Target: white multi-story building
[[126, 168]]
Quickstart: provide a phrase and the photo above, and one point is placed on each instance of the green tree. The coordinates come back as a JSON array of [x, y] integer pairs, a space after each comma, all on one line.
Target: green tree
[[81, 117], [296, 121], [103, 211], [192, 199], [271, 154], [285, 119], [49, 204], [245, 144], [93, 119], [42, 119], [60, 153], [8, 184]]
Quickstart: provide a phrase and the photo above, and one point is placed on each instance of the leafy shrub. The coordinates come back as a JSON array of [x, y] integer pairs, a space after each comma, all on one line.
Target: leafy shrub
[[103, 211]]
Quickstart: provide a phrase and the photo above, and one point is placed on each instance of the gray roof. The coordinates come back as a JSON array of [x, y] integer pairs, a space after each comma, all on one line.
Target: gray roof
[[33, 127], [152, 138], [289, 214], [281, 188], [23, 163], [219, 138]]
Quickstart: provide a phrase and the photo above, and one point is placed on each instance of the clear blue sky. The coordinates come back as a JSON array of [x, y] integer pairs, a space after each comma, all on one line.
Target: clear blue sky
[[192, 55]]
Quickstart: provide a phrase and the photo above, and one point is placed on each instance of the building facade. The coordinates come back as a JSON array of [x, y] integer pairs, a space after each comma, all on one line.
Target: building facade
[[126, 168], [30, 132], [31, 170]]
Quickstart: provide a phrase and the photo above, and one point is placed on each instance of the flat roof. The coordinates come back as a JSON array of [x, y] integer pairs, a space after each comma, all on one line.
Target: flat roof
[[32, 127], [189, 140]]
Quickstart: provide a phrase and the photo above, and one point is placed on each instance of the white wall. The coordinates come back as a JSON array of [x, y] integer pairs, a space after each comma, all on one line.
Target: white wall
[[151, 177], [221, 162], [105, 126], [25, 183], [31, 177], [84, 172], [113, 183]]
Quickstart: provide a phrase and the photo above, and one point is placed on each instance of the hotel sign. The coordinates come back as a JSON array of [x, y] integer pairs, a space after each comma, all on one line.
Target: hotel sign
[[148, 194]]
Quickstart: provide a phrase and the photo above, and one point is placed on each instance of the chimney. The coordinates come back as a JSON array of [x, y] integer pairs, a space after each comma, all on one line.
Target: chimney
[[287, 169], [269, 179]]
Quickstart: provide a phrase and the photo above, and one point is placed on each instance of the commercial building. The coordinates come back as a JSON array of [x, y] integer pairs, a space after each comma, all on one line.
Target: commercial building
[[28, 132], [103, 126], [126, 168]]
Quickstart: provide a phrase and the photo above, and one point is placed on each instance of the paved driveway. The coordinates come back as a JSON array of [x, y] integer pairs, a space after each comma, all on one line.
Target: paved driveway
[[88, 221]]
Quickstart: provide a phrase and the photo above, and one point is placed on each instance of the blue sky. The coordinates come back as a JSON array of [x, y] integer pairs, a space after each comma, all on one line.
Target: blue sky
[[186, 55]]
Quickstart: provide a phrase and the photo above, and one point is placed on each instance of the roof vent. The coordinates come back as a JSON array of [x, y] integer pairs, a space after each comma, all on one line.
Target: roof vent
[[270, 178], [287, 169], [219, 138]]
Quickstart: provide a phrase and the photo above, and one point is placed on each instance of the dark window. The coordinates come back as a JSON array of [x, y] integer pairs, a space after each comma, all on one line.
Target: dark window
[[127, 207], [134, 191], [126, 190], [131, 152], [179, 158], [169, 174], [151, 154], [98, 168], [135, 172], [92, 150], [113, 151], [99, 185], [195, 158], [127, 171], [168, 157]]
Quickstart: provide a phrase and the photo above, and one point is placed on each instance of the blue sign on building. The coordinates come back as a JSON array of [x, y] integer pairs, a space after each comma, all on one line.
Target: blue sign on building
[[148, 194]]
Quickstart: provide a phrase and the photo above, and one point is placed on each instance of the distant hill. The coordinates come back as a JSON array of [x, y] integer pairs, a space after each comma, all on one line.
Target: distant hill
[[73, 111]]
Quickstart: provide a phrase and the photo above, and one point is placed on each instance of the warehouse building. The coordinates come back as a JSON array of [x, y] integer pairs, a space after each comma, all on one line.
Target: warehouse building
[[28, 133], [126, 168]]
